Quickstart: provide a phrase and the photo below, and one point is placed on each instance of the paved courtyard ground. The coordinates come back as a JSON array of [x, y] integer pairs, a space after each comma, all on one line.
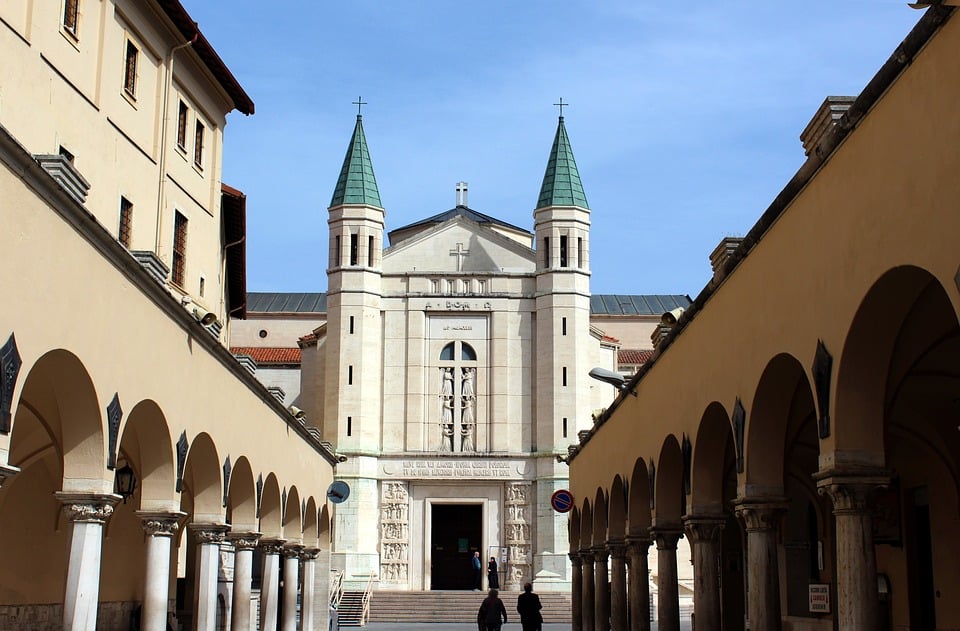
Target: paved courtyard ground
[[459, 626]]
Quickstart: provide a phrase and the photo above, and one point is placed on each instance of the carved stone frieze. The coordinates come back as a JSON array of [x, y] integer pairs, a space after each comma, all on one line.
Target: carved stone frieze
[[517, 532]]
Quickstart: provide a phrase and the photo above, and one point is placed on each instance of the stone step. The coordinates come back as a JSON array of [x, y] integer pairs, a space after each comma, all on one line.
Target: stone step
[[456, 606]]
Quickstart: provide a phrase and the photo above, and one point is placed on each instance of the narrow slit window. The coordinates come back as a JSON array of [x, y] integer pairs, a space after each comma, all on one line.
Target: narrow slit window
[[130, 70], [564, 375], [563, 251], [564, 426], [198, 145], [580, 252], [71, 15], [126, 222], [349, 375], [354, 249], [563, 326], [546, 251], [349, 425], [351, 325], [179, 249], [370, 251], [182, 114], [336, 252]]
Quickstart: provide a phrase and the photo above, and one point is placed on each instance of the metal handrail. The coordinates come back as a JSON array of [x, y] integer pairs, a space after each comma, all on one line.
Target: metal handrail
[[365, 610], [336, 588]]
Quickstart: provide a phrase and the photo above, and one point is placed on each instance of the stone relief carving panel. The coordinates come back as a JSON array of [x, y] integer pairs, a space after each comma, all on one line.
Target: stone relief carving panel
[[394, 533], [517, 528]]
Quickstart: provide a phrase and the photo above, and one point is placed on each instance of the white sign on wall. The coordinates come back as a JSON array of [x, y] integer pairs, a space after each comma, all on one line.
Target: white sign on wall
[[819, 598]]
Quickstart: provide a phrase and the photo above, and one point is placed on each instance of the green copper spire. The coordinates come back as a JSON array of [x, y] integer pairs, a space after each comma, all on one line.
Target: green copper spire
[[356, 184], [561, 182]]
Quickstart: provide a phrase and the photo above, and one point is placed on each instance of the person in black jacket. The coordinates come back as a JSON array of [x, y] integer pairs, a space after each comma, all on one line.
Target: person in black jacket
[[493, 576], [528, 606], [492, 612]]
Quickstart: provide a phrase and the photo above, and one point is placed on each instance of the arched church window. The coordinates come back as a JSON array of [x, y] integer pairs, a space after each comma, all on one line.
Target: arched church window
[[447, 353], [457, 398]]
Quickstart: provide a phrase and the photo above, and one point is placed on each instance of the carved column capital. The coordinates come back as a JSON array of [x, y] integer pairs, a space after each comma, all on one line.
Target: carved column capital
[[617, 549], [160, 523], [272, 546], [851, 492], [209, 533], [667, 537], [586, 557], [310, 554], [600, 554], [761, 514], [87, 507], [576, 558], [292, 551], [703, 528], [244, 540]]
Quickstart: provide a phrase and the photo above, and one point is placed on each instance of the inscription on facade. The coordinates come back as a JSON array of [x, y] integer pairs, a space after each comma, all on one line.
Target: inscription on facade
[[489, 469]]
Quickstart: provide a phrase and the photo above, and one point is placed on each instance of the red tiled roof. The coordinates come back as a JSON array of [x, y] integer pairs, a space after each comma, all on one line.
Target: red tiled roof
[[268, 355], [633, 356]]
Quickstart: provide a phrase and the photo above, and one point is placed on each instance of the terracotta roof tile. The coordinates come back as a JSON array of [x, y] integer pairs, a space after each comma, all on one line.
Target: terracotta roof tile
[[634, 356], [269, 355]]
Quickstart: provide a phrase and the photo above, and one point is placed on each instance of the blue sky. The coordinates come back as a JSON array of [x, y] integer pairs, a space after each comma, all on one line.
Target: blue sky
[[684, 118]]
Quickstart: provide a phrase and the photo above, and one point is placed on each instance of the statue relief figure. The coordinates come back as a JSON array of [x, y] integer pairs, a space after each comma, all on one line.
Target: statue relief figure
[[446, 410], [467, 420]]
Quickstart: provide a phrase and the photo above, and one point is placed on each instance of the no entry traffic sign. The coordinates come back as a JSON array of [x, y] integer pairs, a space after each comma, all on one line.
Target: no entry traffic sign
[[562, 501]]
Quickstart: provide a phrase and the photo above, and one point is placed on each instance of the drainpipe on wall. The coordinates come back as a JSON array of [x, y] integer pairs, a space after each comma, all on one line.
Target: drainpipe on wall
[[168, 80]]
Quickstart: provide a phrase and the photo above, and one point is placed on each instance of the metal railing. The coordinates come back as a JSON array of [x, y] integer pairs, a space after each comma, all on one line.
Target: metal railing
[[336, 588], [365, 610]]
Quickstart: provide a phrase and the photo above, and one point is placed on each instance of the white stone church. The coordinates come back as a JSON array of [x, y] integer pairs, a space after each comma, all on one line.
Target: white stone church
[[450, 369]]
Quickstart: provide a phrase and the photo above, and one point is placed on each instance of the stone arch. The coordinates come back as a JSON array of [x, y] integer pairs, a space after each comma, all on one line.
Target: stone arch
[[887, 312], [783, 389], [600, 519], [639, 504], [58, 409], [617, 511], [574, 529], [242, 497], [202, 495], [586, 526], [708, 471], [146, 446], [293, 517], [271, 519], [311, 531], [324, 528], [668, 498]]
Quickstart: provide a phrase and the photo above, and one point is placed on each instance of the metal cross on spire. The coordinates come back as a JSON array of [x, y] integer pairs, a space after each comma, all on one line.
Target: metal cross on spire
[[359, 103], [561, 105]]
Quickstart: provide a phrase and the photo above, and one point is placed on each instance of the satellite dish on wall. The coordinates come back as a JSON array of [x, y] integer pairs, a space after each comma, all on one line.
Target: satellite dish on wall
[[338, 492]]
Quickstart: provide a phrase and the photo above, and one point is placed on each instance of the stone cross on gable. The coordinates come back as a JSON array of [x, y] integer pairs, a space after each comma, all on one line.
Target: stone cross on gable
[[461, 254]]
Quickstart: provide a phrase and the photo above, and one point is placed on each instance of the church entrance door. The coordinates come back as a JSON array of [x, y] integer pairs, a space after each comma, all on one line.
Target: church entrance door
[[456, 533]]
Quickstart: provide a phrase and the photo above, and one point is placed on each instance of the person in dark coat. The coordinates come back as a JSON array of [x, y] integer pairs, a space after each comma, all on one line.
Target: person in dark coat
[[528, 606], [477, 571], [492, 613], [493, 578]]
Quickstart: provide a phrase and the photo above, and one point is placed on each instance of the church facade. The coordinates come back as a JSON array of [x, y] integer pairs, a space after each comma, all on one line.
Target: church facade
[[451, 368]]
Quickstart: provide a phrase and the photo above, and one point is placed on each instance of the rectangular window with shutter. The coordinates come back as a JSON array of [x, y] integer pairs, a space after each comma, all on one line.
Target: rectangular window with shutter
[[179, 249], [126, 222], [198, 145], [182, 114], [71, 16]]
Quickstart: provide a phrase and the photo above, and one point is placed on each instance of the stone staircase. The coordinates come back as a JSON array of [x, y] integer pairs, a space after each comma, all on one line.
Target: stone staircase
[[456, 606], [350, 610]]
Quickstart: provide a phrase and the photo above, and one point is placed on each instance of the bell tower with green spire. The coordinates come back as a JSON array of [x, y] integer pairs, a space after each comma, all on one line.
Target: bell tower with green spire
[[563, 343], [353, 362]]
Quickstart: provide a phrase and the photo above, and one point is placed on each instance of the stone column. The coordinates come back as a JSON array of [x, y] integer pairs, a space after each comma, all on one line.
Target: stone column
[[704, 535], [618, 586], [88, 513], [161, 527], [639, 581], [244, 544], [601, 590], [858, 606], [270, 583], [291, 578], [588, 602], [761, 517], [309, 558], [668, 596], [209, 537], [576, 592]]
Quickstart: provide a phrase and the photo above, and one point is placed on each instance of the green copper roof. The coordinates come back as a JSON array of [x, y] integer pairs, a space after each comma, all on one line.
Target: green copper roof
[[561, 182], [356, 184]]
